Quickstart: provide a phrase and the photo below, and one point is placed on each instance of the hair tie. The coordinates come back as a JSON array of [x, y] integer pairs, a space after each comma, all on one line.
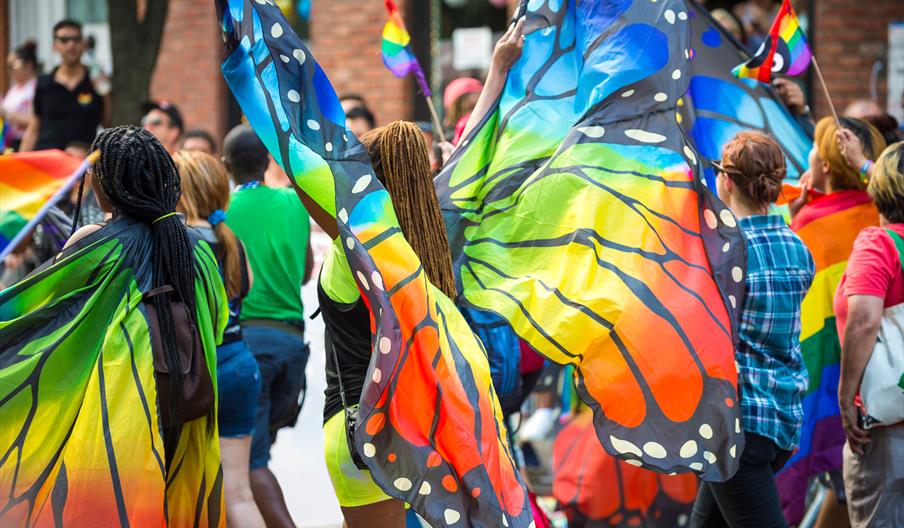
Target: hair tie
[[216, 217], [174, 213]]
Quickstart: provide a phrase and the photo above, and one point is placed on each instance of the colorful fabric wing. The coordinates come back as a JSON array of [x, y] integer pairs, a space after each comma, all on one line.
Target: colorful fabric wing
[[574, 212], [717, 105], [81, 439], [596, 489], [785, 49], [430, 424], [397, 54], [27, 181], [828, 226]]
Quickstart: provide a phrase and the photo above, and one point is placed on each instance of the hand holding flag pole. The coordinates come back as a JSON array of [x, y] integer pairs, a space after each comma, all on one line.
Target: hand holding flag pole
[[784, 51], [400, 60]]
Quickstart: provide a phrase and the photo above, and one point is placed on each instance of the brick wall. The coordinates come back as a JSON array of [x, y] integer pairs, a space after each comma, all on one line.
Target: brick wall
[[345, 38], [849, 36], [188, 67]]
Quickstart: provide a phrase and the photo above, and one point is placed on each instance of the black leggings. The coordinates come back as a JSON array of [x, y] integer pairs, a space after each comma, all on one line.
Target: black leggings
[[750, 497]]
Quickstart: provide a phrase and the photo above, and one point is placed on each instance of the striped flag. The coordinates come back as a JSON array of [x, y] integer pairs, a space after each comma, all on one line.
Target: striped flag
[[784, 51], [828, 226], [396, 49], [28, 181]]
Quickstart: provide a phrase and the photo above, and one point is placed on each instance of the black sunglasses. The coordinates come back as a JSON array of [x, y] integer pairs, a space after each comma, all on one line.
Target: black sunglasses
[[719, 168], [67, 40]]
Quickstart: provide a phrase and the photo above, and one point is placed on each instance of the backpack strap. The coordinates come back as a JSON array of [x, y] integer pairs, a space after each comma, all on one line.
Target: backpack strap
[[899, 245]]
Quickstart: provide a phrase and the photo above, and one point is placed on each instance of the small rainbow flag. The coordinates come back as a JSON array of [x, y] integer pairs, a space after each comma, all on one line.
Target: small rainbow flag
[[2, 135], [30, 183], [397, 54], [784, 51]]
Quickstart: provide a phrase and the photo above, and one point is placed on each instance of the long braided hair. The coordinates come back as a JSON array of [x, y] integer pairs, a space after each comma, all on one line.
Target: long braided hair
[[398, 153], [138, 178]]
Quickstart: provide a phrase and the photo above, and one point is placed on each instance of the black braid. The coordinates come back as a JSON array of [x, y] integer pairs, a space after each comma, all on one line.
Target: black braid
[[78, 206], [137, 176]]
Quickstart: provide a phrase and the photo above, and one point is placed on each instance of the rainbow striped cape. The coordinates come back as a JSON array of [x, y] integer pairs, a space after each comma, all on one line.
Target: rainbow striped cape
[[828, 226], [81, 442], [27, 181], [784, 51]]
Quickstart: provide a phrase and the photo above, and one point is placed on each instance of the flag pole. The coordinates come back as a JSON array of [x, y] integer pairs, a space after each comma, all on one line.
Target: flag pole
[[825, 90], [57, 196], [437, 125]]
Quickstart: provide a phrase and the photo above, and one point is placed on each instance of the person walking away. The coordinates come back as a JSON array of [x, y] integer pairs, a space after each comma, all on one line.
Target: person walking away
[[772, 377], [275, 229], [205, 199], [67, 106], [869, 297], [15, 109], [827, 222], [116, 335]]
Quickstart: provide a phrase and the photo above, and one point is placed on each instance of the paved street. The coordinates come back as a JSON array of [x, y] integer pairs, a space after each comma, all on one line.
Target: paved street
[[298, 453]]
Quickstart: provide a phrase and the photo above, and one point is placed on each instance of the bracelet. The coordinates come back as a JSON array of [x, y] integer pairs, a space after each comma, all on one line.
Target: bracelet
[[864, 170]]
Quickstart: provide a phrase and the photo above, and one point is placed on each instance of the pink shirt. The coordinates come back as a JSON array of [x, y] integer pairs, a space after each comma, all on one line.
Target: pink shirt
[[874, 268], [18, 100]]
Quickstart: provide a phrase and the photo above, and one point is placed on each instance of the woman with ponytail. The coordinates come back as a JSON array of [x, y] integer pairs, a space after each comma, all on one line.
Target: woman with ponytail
[[107, 361], [772, 377], [205, 198], [398, 154]]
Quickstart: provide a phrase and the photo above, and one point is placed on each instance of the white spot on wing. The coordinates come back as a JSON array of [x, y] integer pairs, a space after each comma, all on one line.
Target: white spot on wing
[[706, 431], [451, 516], [363, 280], [299, 55], [670, 16], [385, 345], [593, 131], [689, 152], [689, 449], [276, 30], [676, 74], [293, 96], [737, 274], [361, 184], [627, 93], [710, 218], [350, 243], [378, 279], [643, 136], [313, 125], [660, 97], [624, 446], [369, 450], [425, 488], [727, 218], [655, 450], [402, 484], [377, 376]]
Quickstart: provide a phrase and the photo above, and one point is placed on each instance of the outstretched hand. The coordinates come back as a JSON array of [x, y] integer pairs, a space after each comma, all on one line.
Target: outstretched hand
[[851, 148], [509, 47]]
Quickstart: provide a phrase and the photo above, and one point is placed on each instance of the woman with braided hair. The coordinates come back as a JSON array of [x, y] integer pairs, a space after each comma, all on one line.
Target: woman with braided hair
[[108, 362], [772, 377], [205, 198], [399, 157]]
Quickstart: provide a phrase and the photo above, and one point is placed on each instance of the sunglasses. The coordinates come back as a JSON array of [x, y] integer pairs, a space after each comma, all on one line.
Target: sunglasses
[[152, 122], [719, 168], [67, 40]]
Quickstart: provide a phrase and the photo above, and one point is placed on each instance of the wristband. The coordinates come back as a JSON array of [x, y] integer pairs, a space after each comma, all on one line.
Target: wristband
[[864, 171]]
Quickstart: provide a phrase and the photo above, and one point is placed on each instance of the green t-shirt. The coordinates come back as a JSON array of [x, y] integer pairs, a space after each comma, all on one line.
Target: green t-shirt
[[275, 229]]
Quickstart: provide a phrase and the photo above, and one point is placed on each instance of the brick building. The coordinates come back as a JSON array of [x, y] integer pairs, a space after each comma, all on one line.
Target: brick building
[[849, 37]]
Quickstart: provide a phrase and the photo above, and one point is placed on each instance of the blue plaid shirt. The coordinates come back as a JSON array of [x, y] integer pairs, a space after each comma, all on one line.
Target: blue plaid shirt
[[772, 376]]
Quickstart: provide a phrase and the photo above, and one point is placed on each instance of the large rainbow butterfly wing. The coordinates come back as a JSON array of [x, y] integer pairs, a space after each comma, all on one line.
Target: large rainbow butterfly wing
[[429, 422], [718, 105], [81, 442], [574, 212]]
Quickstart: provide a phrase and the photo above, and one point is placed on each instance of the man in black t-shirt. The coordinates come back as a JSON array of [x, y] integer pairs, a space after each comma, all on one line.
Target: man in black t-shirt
[[67, 107]]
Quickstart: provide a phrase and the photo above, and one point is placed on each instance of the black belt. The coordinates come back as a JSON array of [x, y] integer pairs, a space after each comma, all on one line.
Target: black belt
[[294, 327]]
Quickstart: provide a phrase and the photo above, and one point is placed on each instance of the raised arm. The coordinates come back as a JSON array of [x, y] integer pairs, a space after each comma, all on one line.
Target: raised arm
[[507, 51]]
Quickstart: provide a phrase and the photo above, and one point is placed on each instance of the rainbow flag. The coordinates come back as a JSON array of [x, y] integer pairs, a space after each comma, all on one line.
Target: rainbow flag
[[2, 135], [397, 54], [28, 181], [784, 51], [828, 226]]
